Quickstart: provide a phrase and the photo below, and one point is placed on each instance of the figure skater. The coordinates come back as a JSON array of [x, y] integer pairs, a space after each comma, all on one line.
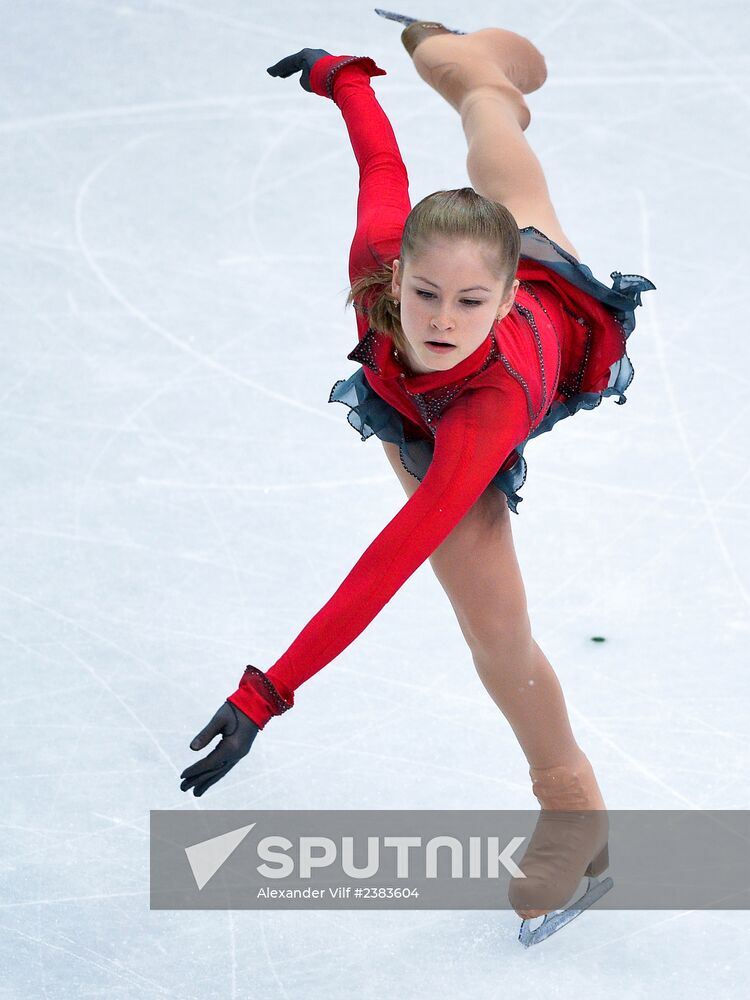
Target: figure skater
[[479, 329]]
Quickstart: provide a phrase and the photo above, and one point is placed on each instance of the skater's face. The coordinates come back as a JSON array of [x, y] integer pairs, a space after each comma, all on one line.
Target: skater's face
[[448, 293]]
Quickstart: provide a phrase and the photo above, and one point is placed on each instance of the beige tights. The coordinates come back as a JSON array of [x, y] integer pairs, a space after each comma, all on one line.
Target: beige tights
[[477, 567], [484, 76]]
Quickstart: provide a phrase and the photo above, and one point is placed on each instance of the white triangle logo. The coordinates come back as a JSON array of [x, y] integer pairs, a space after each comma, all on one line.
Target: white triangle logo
[[207, 857]]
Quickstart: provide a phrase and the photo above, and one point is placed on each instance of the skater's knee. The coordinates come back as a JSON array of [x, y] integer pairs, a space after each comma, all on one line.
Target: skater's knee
[[492, 58], [498, 630], [523, 62]]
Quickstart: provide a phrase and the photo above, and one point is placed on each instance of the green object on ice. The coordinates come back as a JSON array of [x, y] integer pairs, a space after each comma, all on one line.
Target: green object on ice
[[598, 638]]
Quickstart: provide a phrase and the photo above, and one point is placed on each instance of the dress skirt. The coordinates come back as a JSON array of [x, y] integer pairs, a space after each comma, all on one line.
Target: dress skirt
[[370, 414]]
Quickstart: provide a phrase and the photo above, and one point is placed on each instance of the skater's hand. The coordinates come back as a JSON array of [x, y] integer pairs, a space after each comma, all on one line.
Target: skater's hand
[[238, 732], [303, 60]]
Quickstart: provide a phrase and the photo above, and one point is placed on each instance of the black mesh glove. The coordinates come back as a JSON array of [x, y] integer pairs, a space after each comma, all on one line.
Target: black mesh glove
[[302, 60], [237, 731]]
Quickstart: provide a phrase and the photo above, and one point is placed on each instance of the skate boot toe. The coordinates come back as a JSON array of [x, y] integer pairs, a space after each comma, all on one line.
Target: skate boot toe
[[415, 33]]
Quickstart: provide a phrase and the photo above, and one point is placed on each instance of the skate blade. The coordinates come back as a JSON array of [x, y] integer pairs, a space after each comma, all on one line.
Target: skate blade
[[559, 918], [403, 19], [396, 17]]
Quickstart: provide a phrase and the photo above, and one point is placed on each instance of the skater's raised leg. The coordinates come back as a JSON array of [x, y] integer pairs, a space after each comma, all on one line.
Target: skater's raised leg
[[484, 75]]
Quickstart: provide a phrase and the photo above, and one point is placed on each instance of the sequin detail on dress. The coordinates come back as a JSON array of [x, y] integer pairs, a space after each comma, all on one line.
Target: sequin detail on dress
[[529, 317], [253, 677], [432, 404], [364, 352], [571, 384]]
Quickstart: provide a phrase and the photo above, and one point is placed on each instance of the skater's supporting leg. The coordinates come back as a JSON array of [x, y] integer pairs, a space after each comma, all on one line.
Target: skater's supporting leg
[[477, 567], [484, 76]]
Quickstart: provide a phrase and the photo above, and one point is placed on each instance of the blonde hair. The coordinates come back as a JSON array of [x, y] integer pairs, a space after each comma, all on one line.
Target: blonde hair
[[460, 213]]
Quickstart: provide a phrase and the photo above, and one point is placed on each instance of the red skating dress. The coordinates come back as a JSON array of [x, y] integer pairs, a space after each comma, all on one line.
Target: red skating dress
[[560, 348]]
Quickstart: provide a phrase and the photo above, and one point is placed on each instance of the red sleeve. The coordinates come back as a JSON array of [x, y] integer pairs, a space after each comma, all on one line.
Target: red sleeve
[[473, 438], [383, 201]]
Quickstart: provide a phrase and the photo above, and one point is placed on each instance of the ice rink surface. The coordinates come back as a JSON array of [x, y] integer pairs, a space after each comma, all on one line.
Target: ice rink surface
[[180, 499]]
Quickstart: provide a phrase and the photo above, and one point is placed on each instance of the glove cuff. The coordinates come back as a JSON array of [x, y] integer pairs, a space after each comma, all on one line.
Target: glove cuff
[[325, 69], [259, 698]]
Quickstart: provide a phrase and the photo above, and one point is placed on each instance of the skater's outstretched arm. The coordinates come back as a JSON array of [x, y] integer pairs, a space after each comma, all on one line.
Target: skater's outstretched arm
[[473, 438]]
